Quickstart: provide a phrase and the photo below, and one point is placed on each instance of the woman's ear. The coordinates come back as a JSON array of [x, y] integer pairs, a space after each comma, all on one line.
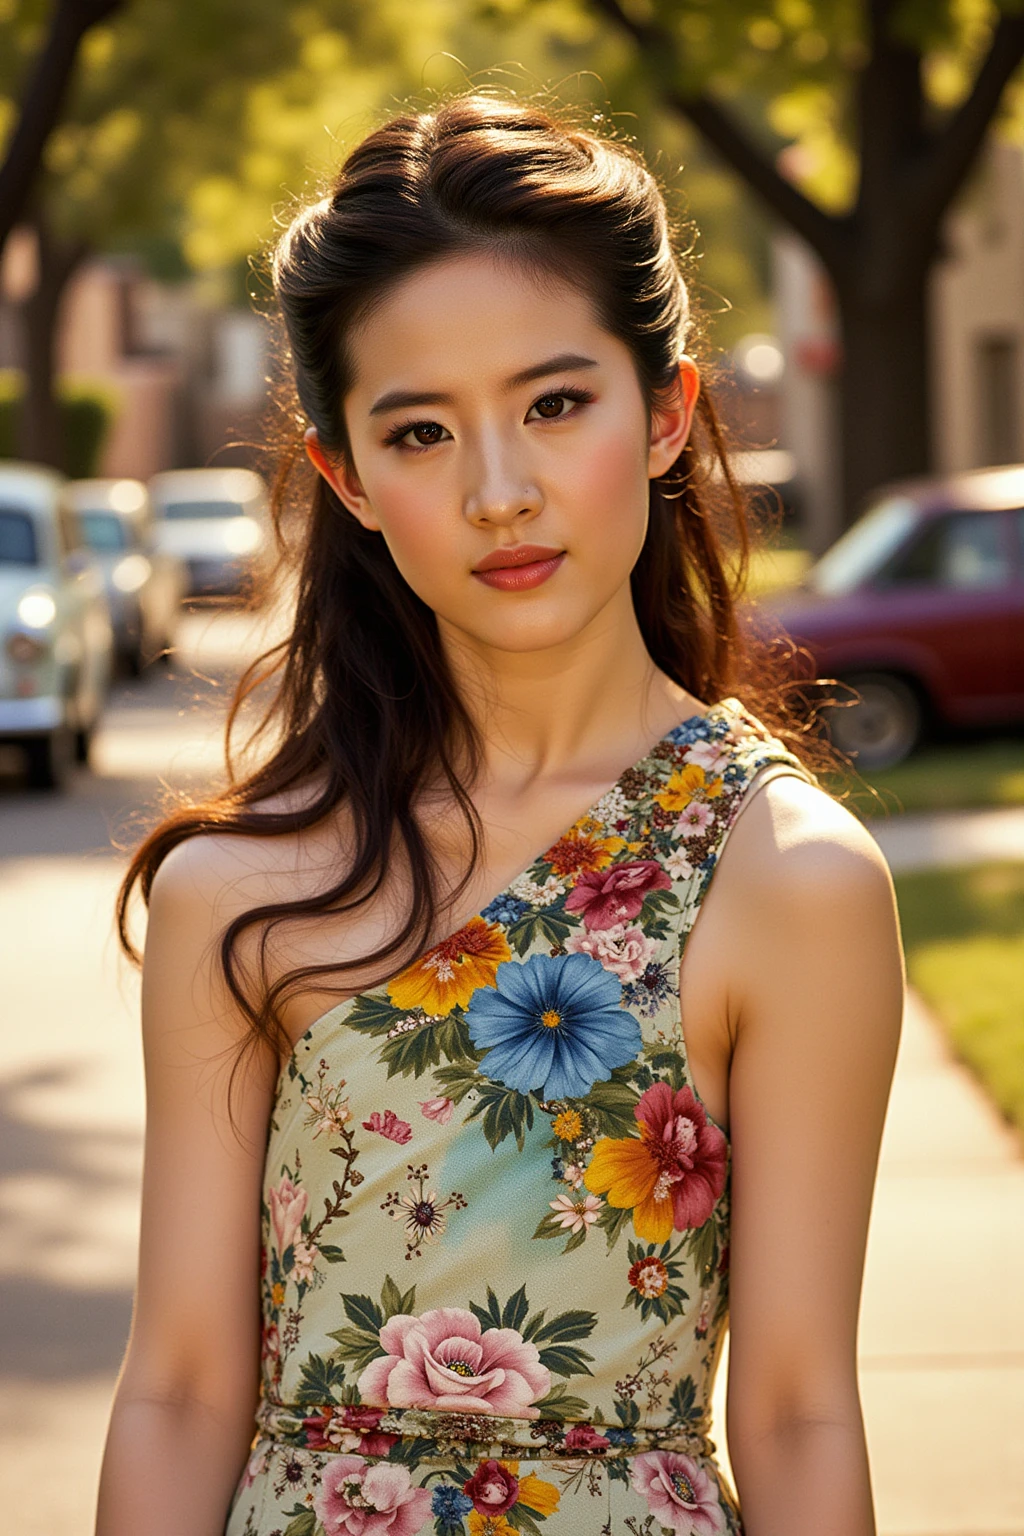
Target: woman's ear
[[341, 477], [672, 418]]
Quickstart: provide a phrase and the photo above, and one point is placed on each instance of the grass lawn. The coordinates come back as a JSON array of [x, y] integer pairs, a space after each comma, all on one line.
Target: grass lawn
[[965, 776], [963, 931]]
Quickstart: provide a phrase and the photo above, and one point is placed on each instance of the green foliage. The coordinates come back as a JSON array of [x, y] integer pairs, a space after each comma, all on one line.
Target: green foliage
[[87, 407], [555, 1337], [360, 1343], [505, 1113], [963, 931], [318, 1380]]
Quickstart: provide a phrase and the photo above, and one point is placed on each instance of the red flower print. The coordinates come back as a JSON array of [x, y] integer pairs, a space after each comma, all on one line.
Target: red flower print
[[672, 1175], [492, 1488], [614, 896], [389, 1125], [584, 1437]]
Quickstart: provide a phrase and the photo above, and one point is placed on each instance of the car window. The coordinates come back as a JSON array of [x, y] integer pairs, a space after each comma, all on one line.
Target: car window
[[958, 551], [864, 547], [103, 531], [201, 509], [18, 543]]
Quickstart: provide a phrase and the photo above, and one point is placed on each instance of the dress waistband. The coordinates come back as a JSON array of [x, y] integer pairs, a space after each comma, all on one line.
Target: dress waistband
[[362, 1430]]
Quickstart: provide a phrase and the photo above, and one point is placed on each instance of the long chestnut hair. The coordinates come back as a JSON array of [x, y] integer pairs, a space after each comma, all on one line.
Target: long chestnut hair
[[364, 710]]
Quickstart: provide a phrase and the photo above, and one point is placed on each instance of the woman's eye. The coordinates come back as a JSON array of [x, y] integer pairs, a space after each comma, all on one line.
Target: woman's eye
[[426, 433], [550, 407]]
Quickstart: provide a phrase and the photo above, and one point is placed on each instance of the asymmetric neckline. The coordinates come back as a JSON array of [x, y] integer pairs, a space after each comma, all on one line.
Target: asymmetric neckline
[[725, 706]]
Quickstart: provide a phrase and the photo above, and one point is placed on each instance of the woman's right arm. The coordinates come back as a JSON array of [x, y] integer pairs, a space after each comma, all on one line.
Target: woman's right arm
[[182, 1418]]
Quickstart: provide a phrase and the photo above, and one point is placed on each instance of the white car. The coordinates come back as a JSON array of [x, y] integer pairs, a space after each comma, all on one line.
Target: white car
[[217, 521], [58, 640], [144, 584]]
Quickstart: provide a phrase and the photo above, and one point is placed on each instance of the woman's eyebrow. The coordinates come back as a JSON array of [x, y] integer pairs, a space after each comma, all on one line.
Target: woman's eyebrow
[[402, 399]]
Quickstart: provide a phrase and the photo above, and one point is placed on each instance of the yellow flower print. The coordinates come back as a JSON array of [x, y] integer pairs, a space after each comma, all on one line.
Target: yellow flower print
[[488, 1525], [568, 1125], [534, 1492], [582, 850], [447, 975], [277, 1295], [685, 785]]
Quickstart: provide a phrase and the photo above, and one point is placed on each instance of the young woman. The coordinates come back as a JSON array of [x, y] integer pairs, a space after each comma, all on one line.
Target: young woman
[[433, 1107]]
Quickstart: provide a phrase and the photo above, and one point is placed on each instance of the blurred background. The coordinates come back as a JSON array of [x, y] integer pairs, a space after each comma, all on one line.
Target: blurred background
[[847, 179]]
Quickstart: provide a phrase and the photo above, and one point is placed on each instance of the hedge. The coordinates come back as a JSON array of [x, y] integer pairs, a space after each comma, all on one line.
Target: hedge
[[88, 408]]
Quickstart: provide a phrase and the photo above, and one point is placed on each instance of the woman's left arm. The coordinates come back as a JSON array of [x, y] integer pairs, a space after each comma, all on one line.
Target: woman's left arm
[[816, 1001]]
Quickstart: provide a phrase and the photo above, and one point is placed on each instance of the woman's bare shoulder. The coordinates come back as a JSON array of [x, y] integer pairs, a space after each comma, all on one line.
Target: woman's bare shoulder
[[231, 872], [794, 836]]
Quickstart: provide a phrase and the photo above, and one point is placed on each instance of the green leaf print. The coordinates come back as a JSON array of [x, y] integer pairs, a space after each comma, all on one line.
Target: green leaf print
[[682, 1403], [457, 1081], [560, 1406], [302, 1525], [704, 1248], [561, 1329], [374, 1014], [522, 1519], [332, 1253], [505, 1113], [357, 1347], [394, 1301], [612, 1220], [412, 1054], [563, 1360], [319, 1378], [668, 1064], [612, 1103], [363, 1312], [548, 926], [550, 1226], [513, 1313]]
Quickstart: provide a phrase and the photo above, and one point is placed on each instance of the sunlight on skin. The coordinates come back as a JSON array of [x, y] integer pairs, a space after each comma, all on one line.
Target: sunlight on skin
[[484, 459]]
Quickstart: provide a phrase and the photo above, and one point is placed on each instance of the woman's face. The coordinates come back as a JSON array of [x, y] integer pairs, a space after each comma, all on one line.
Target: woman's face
[[500, 445]]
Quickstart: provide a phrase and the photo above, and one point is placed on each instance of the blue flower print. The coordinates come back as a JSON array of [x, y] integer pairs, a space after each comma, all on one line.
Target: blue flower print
[[554, 1024], [448, 1505], [505, 909]]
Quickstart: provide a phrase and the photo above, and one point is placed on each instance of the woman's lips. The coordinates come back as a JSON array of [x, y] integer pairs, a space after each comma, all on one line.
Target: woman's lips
[[517, 578]]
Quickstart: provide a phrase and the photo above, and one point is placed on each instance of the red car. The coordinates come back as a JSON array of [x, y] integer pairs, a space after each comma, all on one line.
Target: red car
[[919, 606]]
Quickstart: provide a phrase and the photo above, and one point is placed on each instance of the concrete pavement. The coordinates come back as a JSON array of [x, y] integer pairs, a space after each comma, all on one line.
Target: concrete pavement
[[945, 839]]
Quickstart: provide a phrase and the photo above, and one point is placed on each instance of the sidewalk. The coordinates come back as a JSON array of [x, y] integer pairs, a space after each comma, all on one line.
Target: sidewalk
[[942, 1317], [943, 839]]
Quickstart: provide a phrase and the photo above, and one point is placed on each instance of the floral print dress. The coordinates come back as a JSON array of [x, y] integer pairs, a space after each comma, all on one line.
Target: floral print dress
[[496, 1212]]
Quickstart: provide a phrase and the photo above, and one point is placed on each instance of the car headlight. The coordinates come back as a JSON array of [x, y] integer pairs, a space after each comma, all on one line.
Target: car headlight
[[26, 649], [37, 610], [131, 573], [242, 535]]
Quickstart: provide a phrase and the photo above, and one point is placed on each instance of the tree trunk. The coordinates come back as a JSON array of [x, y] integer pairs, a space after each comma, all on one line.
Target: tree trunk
[[885, 408], [40, 426]]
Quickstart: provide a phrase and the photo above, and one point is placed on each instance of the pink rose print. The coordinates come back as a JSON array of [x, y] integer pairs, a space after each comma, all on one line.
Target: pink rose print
[[696, 818], [362, 1500], [389, 1125], [584, 1437], [712, 756], [626, 952], [492, 1488], [288, 1204], [679, 1494], [352, 1428], [444, 1359], [437, 1109], [613, 896]]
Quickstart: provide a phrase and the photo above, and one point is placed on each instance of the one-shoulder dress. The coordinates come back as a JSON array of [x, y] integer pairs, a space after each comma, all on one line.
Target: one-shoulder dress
[[495, 1259]]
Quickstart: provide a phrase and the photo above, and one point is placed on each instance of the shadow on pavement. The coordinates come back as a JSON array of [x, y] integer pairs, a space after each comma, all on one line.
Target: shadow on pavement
[[58, 1329]]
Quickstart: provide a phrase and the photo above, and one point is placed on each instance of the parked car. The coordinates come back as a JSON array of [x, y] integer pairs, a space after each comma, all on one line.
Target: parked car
[[144, 584], [919, 606], [217, 521], [58, 641]]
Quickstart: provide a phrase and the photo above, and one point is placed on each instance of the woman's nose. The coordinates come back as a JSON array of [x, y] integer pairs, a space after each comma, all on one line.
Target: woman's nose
[[500, 489]]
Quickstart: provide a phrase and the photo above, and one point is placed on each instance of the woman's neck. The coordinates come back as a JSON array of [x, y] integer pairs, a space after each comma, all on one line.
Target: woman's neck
[[540, 714]]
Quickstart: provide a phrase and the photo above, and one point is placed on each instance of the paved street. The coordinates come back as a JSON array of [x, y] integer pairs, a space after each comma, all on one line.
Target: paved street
[[942, 1345]]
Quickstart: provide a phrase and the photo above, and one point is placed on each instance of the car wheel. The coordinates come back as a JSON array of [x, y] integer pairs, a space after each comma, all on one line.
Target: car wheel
[[48, 759], [884, 726]]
